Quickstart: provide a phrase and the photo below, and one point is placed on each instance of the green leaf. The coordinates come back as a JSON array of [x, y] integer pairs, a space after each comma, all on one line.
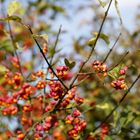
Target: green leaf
[[91, 42], [102, 3], [14, 18], [102, 36], [2, 69], [105, 38], [69, 64], [2, 19], [107, 137], [43, 36], [114, 73], [103, 106], [118, 11], [122, 121], [116, 118], [6, 45], [136, 33], [58, 8], [111, 75], [126, 130]]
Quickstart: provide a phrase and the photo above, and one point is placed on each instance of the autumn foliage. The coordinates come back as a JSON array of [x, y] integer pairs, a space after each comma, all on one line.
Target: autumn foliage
[[47, 93]]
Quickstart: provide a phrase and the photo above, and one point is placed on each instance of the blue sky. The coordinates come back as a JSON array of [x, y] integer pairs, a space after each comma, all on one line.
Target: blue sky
[[128, 8]]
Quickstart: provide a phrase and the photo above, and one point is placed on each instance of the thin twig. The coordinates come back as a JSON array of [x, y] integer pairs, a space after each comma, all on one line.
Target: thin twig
[[71, 85], [56, 42], [121, 100], [86, 77], [119, 61], [12, 39], [112, 48], [33, 126], [59, 102], [46, 60], [106, 13]]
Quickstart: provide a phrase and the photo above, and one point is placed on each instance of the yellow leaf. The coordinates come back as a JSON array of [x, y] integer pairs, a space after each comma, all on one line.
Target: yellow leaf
[[43, 36], [103, 106], [14, 7], [2, 69]]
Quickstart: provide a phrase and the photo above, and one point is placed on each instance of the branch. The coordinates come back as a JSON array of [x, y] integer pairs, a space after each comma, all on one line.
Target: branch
[[112, 48], [106, 13], [56, 42], [12, 39], [46, 60], [119, 61], [71, 85]]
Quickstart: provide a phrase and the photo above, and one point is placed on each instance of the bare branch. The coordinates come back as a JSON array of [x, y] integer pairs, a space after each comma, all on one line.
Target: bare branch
[[106, 13], [12, 39], [56, 42], [46, 60], [119, 61], [112, 48]]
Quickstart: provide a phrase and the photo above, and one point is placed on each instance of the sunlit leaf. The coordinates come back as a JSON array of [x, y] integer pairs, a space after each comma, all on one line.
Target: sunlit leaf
[[122, 121], [43, 36], [102, 3], [91, 42], [6, 45], [13, 18], [2, 69], [114, 73], [102, 36], [58, 8], [103, 106], [14, 7]]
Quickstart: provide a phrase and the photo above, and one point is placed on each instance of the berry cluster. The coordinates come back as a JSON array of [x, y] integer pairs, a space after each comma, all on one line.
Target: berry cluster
[[119, 83], [41, 84], [14, 80], [71, 96], [56, 90], [39, 73], [78, 123], [100, 67], [64, 73], [43, 128], [11, 110]]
